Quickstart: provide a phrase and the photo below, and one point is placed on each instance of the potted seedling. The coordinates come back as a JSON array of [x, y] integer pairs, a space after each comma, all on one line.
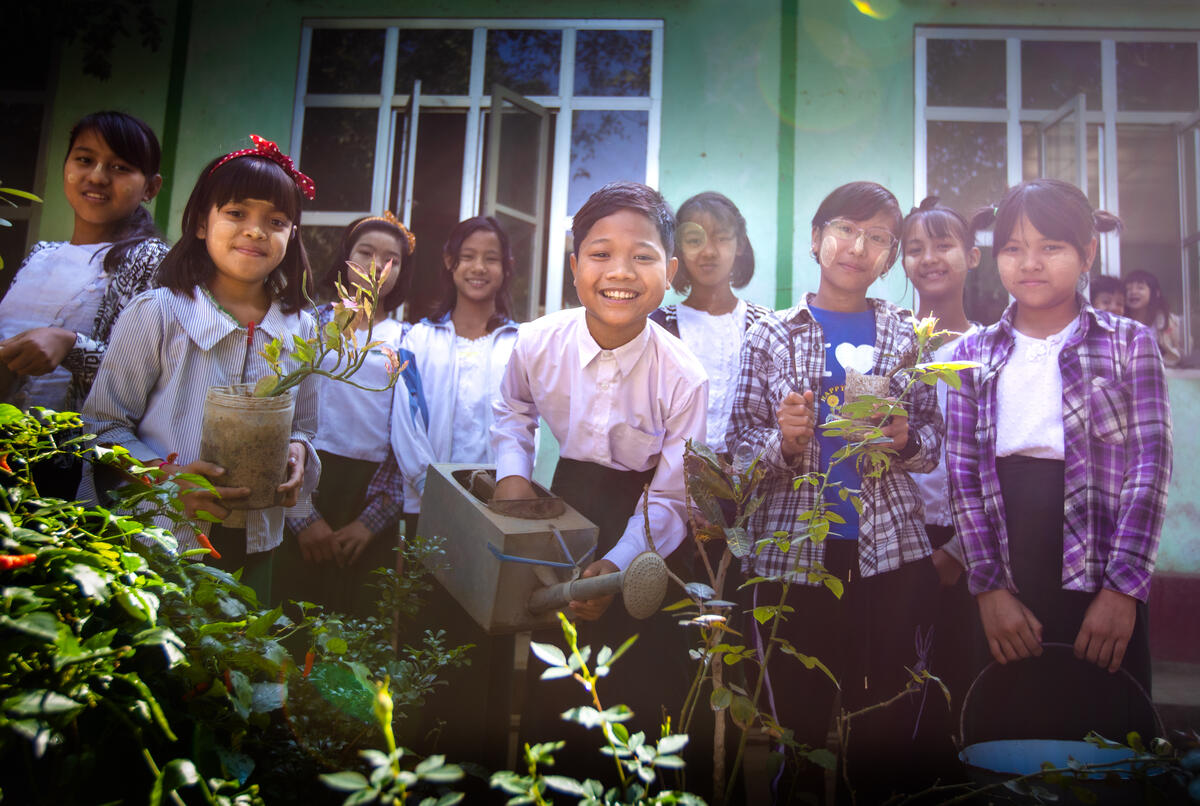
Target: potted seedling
[[247, 426]]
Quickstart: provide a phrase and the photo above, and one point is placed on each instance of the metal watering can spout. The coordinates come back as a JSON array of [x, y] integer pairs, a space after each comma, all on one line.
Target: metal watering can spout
[[642, 585]]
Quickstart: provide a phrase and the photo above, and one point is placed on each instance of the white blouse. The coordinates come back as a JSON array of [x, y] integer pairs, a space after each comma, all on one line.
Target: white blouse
[[1029, 397], [60, 286], [716, 340], [469, 439], [354, 422]]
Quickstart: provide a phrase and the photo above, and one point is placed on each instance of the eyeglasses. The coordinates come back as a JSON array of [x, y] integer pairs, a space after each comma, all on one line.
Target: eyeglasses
[[877, 237]]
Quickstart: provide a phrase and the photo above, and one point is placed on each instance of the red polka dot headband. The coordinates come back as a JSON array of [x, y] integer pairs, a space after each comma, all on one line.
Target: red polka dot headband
[[267, 149]]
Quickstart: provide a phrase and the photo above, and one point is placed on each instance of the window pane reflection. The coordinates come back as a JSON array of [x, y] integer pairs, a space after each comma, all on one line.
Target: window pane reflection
[[1054, 72], [612, 63], [321, 244], [1157, 76], [605, 147], [527, 62], [520, 236], [441, 60], [1061, 155], [966, 163], [517, 181], [345, 61], [965, 72], [338, 152]]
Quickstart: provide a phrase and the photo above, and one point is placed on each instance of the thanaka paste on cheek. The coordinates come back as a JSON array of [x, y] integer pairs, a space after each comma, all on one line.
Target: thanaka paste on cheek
[[881, 263], [828, 250]]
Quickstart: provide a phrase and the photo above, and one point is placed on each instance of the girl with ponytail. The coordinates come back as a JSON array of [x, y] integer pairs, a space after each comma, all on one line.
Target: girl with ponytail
[[1058, 449]]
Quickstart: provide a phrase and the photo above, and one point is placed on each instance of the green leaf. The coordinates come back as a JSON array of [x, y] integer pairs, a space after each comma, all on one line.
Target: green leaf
[[739, 542], [265, 386], [345, 781], [823, 758], [568, 786], [698, 590], [720, 699], [743, 711], [672, 744], [38, 624], [548, 653], [40, 703], [336, 646], [21, 194]]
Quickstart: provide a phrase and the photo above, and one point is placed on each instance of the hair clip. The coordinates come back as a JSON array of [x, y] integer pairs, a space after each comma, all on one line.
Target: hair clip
[[389, 217], [265, 148]]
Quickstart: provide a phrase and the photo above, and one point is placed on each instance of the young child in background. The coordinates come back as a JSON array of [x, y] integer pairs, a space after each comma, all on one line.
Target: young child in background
[[938, 251], [1107, 293], [355, 520], [715, 257], [57, 316], [789, 361], [1145, 303], [621, 398], [240, 262], [441, 412], [1059, 454], [461, 353]]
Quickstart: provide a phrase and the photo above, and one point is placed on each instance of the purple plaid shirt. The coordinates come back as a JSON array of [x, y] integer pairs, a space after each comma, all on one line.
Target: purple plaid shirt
[[1117, 438], [785, 352]]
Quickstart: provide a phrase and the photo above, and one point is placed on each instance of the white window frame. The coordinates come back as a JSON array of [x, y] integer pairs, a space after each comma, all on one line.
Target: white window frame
[[476, 103], [1108, 117]]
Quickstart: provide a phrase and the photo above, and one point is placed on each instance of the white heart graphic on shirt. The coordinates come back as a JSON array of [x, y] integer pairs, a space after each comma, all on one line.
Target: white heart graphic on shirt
[[855, 357]]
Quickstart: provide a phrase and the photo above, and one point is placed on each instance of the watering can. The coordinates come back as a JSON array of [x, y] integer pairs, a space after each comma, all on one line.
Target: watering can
[[513, 564]]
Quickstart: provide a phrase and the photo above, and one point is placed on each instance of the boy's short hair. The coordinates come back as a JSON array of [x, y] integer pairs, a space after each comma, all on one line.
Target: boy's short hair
[[1104, 284], [626, 196]]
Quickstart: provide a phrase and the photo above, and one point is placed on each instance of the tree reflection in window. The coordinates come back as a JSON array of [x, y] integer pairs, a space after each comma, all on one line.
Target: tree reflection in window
[[612, 63], [440, 60], [345, 61], [527, 62]]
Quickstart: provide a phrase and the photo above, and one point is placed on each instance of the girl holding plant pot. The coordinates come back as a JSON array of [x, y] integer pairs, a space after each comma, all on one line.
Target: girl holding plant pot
[[355, 518], [231, 285], [793, 370]]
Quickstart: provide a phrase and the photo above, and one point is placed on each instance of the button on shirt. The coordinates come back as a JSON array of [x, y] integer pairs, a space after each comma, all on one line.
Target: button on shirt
[[631, 408]]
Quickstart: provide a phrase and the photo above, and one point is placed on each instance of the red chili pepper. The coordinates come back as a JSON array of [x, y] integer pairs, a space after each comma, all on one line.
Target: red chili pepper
[[8, 561], [206, 543], [309, 657], [199, 689], [4, 464], [228, 681]]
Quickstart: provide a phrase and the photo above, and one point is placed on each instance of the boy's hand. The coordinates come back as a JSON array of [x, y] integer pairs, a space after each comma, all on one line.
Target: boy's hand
[[351, 540], [195, 499], [948, 569], [317, 544], [796, 419], [593, 609], [285, 494], [513, 487], [37, 351], [1013, 632], [1106, 628]]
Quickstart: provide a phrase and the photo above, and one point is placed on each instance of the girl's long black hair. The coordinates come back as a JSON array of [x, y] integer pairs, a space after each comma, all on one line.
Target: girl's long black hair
[[449, 292], [134, 142]]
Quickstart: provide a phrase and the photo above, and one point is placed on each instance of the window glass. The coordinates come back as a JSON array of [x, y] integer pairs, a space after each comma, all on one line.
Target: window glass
[[338, 152], [345, 61], [1061, 155], [1054, 72], [1147, 163], [441, 60], [965, 72], [321, 244], [612, 63], [606, 146], [967, 163], [527, 62], [1157, 76]]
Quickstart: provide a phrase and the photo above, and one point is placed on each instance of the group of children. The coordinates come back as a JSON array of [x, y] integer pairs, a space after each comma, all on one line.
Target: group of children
[[1040, 495], [1140, 297]]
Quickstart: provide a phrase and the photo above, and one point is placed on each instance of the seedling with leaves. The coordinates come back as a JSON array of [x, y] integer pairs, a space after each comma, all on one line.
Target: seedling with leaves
[[338, 336]]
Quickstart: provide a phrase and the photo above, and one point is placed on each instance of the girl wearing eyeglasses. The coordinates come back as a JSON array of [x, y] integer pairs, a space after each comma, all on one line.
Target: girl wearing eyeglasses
[[792, 377]]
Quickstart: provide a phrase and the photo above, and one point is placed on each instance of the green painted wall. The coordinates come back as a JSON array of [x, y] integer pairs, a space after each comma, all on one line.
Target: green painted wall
[[1179, 551]]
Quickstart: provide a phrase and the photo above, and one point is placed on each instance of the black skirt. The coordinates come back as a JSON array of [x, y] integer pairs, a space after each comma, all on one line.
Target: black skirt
[[1054, 696]]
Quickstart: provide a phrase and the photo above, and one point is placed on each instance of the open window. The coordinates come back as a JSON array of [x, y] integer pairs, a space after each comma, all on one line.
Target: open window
[[1062, 143], [518, 142], [1188, 140]]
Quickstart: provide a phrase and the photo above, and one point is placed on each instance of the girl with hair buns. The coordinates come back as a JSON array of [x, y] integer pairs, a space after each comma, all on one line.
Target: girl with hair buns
[[1059, 457]]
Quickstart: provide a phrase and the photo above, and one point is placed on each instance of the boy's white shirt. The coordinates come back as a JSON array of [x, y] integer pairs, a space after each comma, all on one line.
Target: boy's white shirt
[[166, 349], [632, 408], [416, 443]]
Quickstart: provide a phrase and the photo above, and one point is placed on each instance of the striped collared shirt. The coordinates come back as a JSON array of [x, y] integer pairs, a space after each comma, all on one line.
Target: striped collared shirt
[[165, 351], [1117, 441], [785, 352]]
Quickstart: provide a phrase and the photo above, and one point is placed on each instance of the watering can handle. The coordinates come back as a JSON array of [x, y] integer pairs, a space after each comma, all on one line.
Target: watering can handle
[[962, 712]]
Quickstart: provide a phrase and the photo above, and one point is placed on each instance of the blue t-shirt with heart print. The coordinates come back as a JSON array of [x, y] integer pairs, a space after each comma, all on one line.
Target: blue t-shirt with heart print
[[849, 338]]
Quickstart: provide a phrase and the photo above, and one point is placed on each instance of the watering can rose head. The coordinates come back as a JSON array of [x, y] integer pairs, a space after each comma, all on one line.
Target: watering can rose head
[[338, 337]]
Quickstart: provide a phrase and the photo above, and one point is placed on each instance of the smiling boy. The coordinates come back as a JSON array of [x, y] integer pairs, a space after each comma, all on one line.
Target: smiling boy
[[619, 393]]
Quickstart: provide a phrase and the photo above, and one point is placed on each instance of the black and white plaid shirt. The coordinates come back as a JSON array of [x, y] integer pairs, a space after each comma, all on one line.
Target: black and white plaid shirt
[[785, 352]]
